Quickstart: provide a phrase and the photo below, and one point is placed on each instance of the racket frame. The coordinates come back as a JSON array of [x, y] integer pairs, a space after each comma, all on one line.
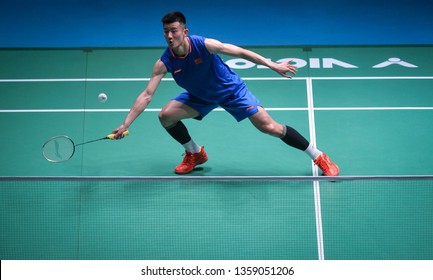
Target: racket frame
[[57, 137]]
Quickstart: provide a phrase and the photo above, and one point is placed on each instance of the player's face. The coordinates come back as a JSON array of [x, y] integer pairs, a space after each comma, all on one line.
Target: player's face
[[175, 34]]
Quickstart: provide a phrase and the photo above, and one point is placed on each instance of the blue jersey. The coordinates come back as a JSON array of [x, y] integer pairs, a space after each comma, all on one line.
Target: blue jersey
[[202, 74]]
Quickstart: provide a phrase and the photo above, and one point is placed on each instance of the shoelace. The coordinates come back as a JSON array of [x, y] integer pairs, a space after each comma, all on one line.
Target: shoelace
[[188, 158], [324, 163]]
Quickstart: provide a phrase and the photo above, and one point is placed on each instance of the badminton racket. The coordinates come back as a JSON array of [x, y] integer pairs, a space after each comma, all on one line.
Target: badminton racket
[[61, 148]]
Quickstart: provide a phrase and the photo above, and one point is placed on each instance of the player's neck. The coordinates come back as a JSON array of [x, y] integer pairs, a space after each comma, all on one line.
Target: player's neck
[[183, 49]]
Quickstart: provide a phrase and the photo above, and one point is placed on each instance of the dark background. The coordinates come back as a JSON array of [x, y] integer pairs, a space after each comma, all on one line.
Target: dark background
[[135, 23]]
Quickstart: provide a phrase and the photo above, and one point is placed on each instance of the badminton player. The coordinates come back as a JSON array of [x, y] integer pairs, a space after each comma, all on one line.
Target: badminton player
[[195, 65]]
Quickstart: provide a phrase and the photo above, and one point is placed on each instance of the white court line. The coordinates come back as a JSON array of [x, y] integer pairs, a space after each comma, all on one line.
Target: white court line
[[79, 80], [370, 108], [217, 110], [244, 78], [376, 78], [341, 78], [316, 185]]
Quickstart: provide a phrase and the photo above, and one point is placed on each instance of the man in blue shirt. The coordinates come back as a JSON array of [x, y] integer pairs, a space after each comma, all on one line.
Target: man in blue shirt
[[209, 83]]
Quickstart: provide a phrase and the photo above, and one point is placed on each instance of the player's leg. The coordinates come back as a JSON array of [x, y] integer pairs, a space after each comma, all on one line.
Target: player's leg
[[266, 124], [171, 117]]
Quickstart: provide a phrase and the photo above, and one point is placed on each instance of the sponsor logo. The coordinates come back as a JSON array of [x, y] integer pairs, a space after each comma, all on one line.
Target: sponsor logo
[[325, 63]]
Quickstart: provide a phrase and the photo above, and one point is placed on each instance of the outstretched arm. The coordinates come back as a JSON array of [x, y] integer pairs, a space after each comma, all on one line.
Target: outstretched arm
[[215, 46], [140, 104]]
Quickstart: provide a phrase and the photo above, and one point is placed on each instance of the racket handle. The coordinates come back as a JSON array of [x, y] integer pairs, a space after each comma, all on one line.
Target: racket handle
[[111, 136]]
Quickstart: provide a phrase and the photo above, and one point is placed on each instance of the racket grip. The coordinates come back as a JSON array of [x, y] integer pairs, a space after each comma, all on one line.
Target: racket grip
[[111, 136]]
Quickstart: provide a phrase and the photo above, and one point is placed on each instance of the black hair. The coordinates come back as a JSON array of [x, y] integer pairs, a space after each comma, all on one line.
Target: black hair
[[174, 16]]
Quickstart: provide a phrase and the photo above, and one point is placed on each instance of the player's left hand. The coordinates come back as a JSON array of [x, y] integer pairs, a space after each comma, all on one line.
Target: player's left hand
[[285, 67]]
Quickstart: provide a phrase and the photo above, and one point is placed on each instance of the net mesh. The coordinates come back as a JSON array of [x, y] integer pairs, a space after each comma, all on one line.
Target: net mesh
[[216, 218]]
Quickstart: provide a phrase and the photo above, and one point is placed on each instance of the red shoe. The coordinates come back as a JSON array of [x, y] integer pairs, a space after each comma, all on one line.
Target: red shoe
[[326, 165], [190, 161]]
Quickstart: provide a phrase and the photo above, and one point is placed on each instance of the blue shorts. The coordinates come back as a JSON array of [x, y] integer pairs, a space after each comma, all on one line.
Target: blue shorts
[[241, 105]]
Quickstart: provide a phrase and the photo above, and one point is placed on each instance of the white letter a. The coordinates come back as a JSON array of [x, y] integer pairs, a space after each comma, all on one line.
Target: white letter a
[[394, 60]]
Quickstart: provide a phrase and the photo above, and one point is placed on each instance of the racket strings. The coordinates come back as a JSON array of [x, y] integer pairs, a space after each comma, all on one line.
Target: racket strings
[[58, 149]]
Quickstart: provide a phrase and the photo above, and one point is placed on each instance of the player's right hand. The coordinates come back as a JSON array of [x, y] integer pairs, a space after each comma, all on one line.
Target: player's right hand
[[119, 132]]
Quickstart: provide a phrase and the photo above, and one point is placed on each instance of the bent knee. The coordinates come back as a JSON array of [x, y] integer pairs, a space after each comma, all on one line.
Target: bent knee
[[162, 114], [167, 118]]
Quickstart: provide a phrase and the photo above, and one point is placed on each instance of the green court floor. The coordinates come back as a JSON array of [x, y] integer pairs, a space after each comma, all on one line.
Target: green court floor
[[369, 108]]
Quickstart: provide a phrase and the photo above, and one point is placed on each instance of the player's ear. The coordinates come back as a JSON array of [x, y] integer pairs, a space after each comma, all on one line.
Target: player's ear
[[185, 31]]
